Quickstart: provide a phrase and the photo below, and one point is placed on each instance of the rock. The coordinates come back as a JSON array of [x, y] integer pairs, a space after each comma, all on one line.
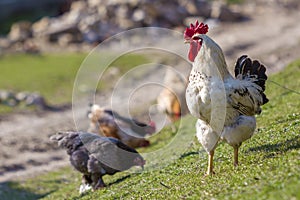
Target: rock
[[21, 96], [228, 15], [188, 20], [108, 29], [138, 15], [113, 72], [79, 6], [57, 29], [8, 98], [92, 21], [94, 3], [125, 23], [89, 23], [102, 12], [78, 11], [203, 9], [29, 99], [4, 95], [65, 39], [190, 6], [122, 11], [41, 26], [31, 46], [91, 36], [4, 43], [174, 18], [20, 31], [35, 99], [52, 29], [134, 3], [220, 11]]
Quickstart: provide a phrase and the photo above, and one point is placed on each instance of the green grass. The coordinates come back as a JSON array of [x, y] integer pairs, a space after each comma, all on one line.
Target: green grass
[[52, 75], [269, 162], [234, 1]]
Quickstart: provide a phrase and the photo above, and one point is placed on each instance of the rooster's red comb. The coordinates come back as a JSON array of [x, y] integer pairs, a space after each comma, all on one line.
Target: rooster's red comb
[[193, 29]]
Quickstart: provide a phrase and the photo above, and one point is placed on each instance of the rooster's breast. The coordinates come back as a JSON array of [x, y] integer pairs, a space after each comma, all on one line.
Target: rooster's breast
[[198, 96]]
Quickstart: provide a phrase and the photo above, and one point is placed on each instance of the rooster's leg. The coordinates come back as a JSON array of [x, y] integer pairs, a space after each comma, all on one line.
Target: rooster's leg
[[210, 163], [235, 156]]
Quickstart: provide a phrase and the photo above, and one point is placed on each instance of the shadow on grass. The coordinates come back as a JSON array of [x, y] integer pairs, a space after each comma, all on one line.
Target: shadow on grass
[[189, 154], [273, 149], [12, 190], [112, 183], [120, 180]]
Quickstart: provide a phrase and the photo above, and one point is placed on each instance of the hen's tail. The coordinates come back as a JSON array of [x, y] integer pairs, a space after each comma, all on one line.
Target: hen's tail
[[246, 68]]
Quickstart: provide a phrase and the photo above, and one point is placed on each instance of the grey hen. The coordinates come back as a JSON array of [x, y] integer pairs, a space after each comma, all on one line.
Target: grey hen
[[94, 156]]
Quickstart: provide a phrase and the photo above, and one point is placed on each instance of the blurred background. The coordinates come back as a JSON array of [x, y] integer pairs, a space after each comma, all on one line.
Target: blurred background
[[44, 42], [33, 26]]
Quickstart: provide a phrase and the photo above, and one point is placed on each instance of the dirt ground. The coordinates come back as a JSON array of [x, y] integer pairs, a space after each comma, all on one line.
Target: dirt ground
[[271, 35]]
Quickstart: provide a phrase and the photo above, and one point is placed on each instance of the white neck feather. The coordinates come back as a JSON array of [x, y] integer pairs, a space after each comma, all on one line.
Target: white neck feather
[[210, 59]]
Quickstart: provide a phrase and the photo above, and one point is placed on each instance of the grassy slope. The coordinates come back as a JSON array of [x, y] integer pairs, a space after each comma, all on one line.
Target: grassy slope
[[269, 163]]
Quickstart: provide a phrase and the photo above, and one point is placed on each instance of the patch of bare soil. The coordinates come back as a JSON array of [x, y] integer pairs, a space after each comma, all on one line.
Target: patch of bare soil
[[272, 35]]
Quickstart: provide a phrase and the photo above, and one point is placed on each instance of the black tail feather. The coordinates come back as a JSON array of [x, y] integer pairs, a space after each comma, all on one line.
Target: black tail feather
[[239, 65], [252, 69], [265, 99]]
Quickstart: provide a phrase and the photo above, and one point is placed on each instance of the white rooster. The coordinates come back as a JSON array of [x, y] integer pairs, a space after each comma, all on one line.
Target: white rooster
[[224, 105]]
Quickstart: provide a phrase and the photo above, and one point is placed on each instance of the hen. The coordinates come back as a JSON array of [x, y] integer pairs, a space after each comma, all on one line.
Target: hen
[[94, 156], [110, 124], [171, 99], [224, 105]]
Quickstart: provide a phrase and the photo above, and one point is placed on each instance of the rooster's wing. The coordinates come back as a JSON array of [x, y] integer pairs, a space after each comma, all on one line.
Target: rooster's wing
[[246, 91]]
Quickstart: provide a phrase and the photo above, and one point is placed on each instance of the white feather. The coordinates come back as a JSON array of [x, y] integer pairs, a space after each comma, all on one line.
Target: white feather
[[84, 188], [239, 131], [225, 106], [206, 136]]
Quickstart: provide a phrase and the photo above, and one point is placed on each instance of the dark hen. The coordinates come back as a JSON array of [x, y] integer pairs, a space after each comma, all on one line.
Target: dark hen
[[95, 156]]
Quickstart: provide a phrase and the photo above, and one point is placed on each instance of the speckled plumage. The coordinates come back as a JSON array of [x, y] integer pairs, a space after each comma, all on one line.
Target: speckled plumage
[[224, 105]]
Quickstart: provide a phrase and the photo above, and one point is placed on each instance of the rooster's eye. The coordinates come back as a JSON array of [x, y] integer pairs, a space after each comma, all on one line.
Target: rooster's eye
[[197, 38]]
